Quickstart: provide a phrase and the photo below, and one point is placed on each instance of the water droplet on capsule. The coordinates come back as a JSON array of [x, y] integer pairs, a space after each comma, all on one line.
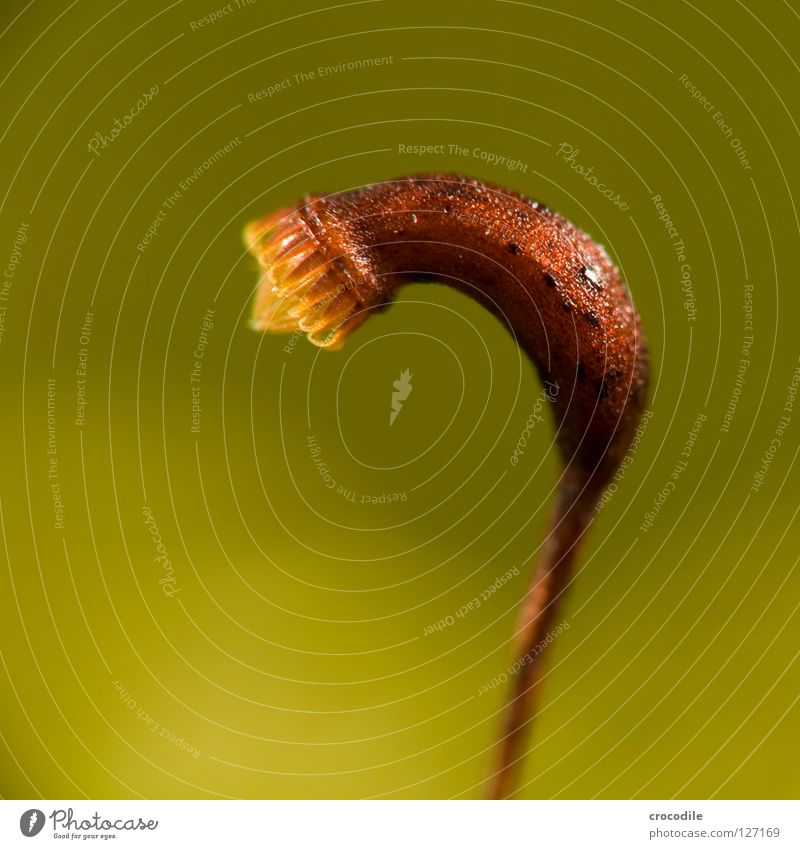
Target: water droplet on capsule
[[593, 277]]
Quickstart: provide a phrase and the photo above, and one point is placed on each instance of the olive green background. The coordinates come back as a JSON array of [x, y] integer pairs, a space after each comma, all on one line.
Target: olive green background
[[292, 658]]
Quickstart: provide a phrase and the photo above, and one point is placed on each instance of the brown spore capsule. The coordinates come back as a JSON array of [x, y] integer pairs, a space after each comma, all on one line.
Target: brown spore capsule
[[331, 261]]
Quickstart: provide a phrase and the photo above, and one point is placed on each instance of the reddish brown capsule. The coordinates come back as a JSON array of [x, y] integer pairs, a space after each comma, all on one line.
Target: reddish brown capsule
[[331, 260]]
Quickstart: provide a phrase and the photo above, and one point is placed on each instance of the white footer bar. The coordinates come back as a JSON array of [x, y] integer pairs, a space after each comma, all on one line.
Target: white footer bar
[[401, 824]]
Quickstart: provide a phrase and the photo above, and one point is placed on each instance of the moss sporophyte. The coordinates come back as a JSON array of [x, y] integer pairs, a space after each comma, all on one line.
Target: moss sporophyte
[[331, 261]]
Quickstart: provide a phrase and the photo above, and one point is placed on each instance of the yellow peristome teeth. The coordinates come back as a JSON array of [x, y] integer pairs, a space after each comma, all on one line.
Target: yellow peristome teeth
[[334, 338], [287, 244], [294, 250], [334, 313], [314, 290], [260, 229], [301, 267], [298, 288], [273, 317], [279, 325]]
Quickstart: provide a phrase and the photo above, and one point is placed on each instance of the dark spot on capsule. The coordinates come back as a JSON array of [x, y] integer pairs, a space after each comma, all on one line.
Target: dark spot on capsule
[[549, 281], [447, 208], [602, 391], [566, 307], [592, 318], [591, 277], [581, 372], [512, 248]]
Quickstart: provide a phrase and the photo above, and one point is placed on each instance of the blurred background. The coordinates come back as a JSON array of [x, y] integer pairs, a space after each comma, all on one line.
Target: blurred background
[[224, 574]]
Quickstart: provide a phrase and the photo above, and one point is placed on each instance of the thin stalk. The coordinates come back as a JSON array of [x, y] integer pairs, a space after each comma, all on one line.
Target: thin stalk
[[538, 617]]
